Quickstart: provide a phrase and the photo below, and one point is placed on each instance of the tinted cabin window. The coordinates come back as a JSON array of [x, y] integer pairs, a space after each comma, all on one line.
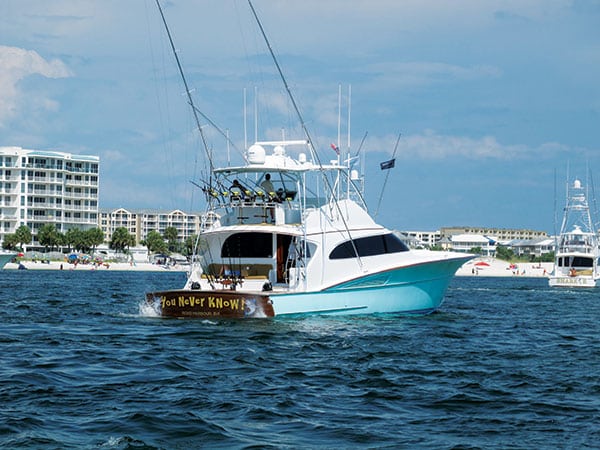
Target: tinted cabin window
[[579, 261], [369, 246], [248, 245]]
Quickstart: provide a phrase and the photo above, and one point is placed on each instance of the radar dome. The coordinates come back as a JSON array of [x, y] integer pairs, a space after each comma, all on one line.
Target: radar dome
[[256, 154], [577, 184]]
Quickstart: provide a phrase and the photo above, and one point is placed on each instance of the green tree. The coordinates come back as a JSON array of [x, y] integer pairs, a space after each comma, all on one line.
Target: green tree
[[49, 236], [121, 240], [94, 237], [189, 244], [23, 235], [476, 250], [155, 242], [74, 238], [10, 241], [171, 237], [504, 253]]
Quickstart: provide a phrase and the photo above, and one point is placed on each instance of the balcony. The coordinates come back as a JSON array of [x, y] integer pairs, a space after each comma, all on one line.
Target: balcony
[[88, 196], [89, 183]]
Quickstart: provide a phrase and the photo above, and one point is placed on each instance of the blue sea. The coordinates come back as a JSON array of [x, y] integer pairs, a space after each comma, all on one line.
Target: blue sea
[[505, 363]]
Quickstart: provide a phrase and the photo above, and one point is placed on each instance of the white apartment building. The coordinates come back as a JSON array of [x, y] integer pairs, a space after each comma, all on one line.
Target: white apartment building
[[46, 187], [501, 234], [140, 222], [424, 238]]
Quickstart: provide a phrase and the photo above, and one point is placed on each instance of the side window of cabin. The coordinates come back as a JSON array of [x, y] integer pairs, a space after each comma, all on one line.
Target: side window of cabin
[[369, 246]]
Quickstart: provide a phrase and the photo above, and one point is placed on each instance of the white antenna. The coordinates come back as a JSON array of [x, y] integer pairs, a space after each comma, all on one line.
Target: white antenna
[[245, 125], [255, 113], [348, 149], [228, 157], [339, 115], [349, 113]]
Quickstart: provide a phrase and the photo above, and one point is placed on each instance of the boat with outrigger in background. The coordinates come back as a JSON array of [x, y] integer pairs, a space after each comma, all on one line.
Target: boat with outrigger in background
[[577, 248]]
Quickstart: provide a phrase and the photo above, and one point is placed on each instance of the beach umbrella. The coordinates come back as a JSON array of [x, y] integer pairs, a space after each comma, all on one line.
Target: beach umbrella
[[482, 264]]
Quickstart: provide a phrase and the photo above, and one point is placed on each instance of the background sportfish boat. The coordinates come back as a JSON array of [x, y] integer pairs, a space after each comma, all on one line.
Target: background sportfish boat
[[576, 263], [285, 234], [291, 250]]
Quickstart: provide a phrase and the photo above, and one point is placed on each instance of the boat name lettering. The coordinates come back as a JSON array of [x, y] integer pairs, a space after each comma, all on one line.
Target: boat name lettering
[[209, 302], [574, 280]]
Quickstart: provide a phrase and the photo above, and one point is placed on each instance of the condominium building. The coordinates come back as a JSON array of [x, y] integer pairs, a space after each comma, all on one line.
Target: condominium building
[[140, 222], [47, 187], [423, 238], [500, 234]]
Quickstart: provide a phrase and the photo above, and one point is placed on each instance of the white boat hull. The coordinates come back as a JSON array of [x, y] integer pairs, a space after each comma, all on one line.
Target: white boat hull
[[417, 289], [580, 281]]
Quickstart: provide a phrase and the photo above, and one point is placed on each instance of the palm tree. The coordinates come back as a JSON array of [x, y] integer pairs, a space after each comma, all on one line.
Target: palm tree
[[48, 236], [155, 243], [23, 235], [121, 240], [95, 237], [171, 237]]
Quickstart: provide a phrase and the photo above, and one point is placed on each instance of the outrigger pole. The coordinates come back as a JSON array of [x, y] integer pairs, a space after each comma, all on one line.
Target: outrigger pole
[[387, 176], [187, 90], [305, 129]]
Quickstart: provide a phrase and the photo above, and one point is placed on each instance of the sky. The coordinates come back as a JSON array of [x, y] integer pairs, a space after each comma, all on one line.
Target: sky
[[497, 102]]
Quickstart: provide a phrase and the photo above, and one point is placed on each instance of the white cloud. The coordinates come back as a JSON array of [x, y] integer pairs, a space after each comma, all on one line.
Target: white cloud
[[419, 73], [17, 64], [432, 146]]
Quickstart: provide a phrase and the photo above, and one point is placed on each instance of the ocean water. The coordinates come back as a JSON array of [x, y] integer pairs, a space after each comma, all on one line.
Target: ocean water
[[505, 363]]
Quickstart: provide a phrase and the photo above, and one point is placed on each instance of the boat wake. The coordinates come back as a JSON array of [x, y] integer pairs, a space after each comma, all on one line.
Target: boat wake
[[147, 309]]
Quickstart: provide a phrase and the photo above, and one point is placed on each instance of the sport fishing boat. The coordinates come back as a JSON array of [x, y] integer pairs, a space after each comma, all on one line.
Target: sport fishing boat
[[284, 234], [273, 244], [577, 252]]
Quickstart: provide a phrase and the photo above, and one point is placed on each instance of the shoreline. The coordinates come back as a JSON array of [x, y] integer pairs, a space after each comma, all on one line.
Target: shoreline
[[482, 266], [63, 265], [492, 267]]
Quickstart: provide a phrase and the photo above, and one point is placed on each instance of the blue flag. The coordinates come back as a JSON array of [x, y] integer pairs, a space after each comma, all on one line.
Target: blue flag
[[388, 164]]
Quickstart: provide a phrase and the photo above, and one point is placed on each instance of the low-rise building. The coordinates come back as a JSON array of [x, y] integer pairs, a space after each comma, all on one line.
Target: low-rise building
[[531, 247], [140, 222], [467, 242], [501, 234]]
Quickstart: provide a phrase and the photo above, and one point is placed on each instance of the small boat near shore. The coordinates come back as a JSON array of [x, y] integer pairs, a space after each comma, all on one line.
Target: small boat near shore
[[577, 251]]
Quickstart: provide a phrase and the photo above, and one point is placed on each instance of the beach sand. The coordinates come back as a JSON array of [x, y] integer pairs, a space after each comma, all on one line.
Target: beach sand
[[488, 267], [492, 267], [58, 265]]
